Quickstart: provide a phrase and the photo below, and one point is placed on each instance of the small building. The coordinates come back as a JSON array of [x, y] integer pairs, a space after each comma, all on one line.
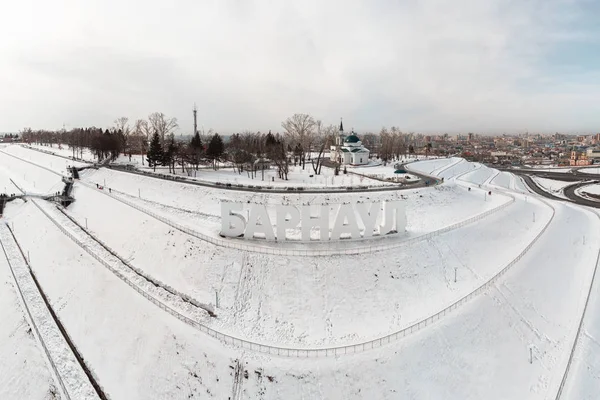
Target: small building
[[348, 150]]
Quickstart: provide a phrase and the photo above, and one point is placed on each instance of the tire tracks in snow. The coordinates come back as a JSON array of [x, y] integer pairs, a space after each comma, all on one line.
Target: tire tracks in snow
[[238, 380]]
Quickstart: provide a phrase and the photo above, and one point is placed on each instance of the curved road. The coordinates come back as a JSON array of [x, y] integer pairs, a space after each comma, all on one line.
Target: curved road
[[569, 191]]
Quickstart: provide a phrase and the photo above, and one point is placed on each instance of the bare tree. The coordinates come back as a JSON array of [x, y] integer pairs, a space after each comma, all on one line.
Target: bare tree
[[299, 129], [371, 141], [122, 127], [162, 125], [122, 124], [324, 137], [141, 136]]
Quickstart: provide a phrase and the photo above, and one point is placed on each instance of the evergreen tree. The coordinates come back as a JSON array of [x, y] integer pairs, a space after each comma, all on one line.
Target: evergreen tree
[[196, 142], [155, 152], [215, 149], [270, 140], [195, 149]]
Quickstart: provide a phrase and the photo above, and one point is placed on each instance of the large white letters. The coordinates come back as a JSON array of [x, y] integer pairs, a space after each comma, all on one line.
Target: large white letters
[[303, 220]]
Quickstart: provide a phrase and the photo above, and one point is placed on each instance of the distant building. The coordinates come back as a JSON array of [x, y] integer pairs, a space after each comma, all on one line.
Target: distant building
[[593, 154], [348, 150], [579, 159]]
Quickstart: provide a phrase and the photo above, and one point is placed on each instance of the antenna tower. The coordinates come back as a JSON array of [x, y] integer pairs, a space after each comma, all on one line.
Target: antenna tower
[[195, 119]]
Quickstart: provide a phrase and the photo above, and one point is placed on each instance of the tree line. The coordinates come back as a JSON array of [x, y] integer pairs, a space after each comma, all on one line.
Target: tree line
[[303, 140]]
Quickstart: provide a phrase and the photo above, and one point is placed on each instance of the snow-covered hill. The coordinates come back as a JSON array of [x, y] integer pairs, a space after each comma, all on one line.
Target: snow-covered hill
[[509, 272]]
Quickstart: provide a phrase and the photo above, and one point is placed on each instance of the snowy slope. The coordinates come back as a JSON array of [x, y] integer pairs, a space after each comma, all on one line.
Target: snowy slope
[[479, 350], [584, 379], [178, 266], [24, 373], [432, 166]]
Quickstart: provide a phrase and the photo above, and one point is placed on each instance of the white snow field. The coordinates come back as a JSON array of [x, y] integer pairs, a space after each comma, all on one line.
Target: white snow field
[[509, 283]]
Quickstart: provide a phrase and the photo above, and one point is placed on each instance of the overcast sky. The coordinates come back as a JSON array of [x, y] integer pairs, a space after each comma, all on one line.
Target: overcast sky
[[424, 66]]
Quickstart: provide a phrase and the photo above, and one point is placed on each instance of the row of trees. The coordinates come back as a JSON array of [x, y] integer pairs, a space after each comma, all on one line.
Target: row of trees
[[121, 138], [303, 140]]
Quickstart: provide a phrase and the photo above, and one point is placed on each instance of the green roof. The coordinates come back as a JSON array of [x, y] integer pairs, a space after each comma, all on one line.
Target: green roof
[[345, 150], [351, 139], [358, 151]]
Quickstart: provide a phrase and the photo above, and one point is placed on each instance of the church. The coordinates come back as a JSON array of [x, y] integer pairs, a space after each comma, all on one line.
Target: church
[[348, 150]]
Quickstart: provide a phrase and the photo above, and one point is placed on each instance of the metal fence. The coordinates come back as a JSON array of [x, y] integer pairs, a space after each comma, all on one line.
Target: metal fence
[[312, 352], [306, 352], [34, 324], [154, 283], [563, 381]]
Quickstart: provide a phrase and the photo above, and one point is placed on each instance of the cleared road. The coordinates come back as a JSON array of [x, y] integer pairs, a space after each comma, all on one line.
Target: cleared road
[[569, 191]]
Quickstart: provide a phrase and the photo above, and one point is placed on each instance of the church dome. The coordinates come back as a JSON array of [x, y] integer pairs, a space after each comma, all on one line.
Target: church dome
[[351, 139]]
